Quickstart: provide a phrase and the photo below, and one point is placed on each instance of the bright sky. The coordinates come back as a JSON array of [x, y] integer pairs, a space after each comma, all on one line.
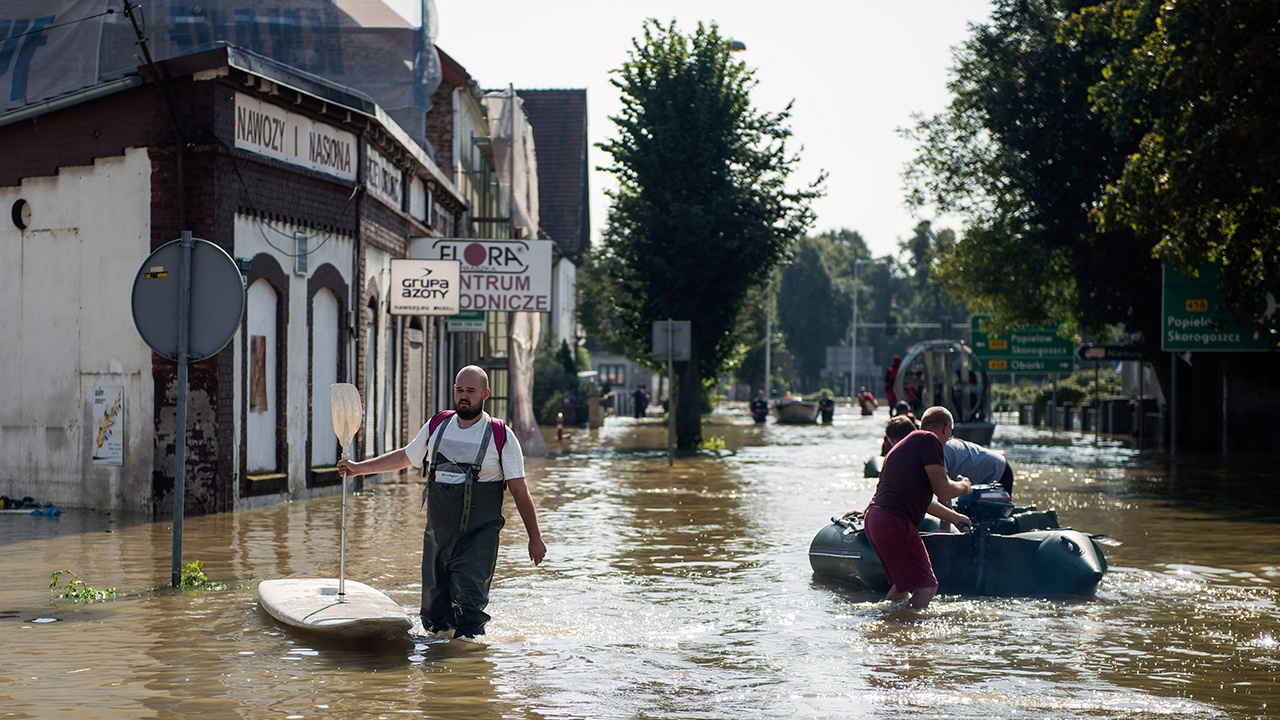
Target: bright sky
[[856, 69]]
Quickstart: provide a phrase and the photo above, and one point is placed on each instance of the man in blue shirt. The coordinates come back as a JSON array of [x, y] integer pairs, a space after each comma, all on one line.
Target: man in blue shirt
[[981, 465]]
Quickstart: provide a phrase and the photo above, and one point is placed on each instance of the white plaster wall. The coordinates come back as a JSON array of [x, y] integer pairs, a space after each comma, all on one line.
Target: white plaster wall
[[564, 279], [378, 269], [253, 236], [67, 325]]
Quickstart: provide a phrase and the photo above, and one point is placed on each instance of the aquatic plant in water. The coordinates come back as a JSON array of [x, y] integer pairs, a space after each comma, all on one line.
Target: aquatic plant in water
[[193, 578], [75, 589]]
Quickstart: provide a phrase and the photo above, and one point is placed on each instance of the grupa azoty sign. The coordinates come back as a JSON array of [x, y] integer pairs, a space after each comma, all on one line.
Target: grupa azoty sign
[[502, 275], [424, 287]]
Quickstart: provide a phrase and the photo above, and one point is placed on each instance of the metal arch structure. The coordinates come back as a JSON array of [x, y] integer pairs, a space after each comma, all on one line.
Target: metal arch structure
[[938, 371]]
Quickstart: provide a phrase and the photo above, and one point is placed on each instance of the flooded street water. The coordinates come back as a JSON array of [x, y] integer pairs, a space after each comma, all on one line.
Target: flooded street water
[[679, 592]]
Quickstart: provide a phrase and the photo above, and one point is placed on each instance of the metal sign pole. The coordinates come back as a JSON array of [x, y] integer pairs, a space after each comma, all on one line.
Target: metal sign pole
[[853, 340], [1097, 406], [210, 300], [671, 393], [1173, 405], [180, 420], [768, 342]]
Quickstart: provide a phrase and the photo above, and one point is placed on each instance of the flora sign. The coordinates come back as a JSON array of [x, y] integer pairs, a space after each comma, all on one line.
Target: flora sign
[[502, 275]]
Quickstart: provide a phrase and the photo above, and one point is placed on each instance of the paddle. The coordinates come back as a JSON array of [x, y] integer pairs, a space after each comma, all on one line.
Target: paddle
[[344, 402]]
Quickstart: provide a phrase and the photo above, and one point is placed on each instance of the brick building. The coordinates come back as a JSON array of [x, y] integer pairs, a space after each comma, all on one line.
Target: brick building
[[309, 184]]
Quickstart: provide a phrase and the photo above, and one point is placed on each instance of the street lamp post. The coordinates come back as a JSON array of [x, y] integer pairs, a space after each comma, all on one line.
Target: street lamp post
[[853, 342], [768, 340]]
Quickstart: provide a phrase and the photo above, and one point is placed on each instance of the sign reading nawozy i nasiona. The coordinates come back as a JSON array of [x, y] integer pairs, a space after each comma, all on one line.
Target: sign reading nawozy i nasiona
[[1195, 320]]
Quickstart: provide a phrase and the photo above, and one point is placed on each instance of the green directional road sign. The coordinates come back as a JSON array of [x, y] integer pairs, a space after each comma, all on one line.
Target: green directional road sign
[[467, 321], [1033, 350], [1194, 319]]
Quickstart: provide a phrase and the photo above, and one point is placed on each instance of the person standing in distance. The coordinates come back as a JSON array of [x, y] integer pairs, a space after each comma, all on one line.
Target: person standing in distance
[[465, 477], [890, 385], [641, 399], [826, 407], [913, 473], [760, 407]]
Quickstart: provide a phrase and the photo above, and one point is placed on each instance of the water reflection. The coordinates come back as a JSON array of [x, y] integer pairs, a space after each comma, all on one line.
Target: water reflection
[[670, 592]]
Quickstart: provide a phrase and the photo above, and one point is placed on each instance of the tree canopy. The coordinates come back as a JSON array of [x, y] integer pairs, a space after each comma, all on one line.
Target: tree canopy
[[1087, 143], [1022, 155], [810, 310], [1197, 81], [703, 211]]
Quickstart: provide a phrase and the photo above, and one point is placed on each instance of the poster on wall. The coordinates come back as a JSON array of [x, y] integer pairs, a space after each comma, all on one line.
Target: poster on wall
[[108, 419]]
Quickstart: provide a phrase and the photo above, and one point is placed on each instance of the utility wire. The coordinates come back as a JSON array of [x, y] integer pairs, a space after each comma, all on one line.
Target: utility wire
[[43, 28]]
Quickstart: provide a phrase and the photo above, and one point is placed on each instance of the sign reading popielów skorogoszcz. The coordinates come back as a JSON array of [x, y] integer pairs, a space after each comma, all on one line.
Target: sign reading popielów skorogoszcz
[[1029, 350], [502, 275], [425, 287], [1195, 319]]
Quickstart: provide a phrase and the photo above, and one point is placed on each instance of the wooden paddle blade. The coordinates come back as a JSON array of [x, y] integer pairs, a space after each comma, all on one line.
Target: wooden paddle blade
[[348, 411]]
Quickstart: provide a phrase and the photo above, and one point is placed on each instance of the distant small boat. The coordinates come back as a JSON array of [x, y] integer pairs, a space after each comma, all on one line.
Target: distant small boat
[[796, 412]]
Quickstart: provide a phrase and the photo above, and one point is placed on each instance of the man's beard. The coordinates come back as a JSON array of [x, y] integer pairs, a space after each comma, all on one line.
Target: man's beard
[[468, 412]]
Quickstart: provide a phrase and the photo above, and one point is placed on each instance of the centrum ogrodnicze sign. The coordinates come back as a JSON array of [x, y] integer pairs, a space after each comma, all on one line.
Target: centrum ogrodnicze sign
[[1034, 350], [1194, 319]]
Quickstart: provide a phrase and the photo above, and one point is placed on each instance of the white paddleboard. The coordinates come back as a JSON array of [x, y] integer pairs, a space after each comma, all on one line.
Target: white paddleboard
[[313, 604]]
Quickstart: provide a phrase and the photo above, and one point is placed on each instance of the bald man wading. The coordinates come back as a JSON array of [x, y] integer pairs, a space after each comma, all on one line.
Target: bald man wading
[[466, 469]]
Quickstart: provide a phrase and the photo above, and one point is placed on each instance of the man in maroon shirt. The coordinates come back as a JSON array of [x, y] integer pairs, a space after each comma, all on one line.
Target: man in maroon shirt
[[913, 473]]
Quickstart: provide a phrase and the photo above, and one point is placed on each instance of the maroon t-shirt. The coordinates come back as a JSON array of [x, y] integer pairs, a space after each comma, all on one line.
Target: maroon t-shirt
[[904, 488]]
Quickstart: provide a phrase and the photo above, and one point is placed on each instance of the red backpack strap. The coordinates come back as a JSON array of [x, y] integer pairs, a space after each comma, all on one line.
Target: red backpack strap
[[432, 425], [500, 439], [438, 418], [499, 435]]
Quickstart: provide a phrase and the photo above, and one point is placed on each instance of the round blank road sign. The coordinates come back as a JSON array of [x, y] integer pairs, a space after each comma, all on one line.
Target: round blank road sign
[[217, 300]]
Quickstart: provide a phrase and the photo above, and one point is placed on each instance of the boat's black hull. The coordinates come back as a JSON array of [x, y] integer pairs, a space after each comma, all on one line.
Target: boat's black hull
[[1040, 562]]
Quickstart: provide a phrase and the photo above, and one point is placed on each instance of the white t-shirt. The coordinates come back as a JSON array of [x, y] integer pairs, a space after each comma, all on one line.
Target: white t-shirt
[[460, 445]]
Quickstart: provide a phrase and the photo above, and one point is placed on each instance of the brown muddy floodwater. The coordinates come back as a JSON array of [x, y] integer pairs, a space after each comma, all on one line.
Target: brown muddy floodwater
[[678, 592]]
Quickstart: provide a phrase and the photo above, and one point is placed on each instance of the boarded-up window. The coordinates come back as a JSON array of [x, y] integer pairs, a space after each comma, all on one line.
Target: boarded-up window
[[258, 373]]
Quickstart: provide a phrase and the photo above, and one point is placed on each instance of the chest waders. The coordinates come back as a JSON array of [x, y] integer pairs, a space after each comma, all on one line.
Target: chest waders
[[460, 543]]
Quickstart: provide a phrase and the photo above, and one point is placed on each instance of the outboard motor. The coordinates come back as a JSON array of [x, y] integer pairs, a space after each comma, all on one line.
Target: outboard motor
[[986, 503]]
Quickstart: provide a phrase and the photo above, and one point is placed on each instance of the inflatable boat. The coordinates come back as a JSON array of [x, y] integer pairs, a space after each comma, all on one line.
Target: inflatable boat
[[1011, 552]]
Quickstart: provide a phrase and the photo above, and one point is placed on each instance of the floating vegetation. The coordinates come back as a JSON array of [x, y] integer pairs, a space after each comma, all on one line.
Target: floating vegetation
[[714, 442], [74, 588], [193, 578]]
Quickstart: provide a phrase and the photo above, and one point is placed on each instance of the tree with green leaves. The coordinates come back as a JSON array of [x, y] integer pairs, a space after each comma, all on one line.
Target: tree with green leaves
[[759, 318], [1198, 81], [1021, 154], [929, 300], [703, 211], [811, 313]]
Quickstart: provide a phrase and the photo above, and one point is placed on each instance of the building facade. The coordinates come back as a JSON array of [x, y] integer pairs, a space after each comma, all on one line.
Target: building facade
[[309, 185]]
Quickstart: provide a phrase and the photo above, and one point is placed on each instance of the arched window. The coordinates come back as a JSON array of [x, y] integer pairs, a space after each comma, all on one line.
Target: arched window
[[262, 392], [264, 397], [327, 294], [324, 372]]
